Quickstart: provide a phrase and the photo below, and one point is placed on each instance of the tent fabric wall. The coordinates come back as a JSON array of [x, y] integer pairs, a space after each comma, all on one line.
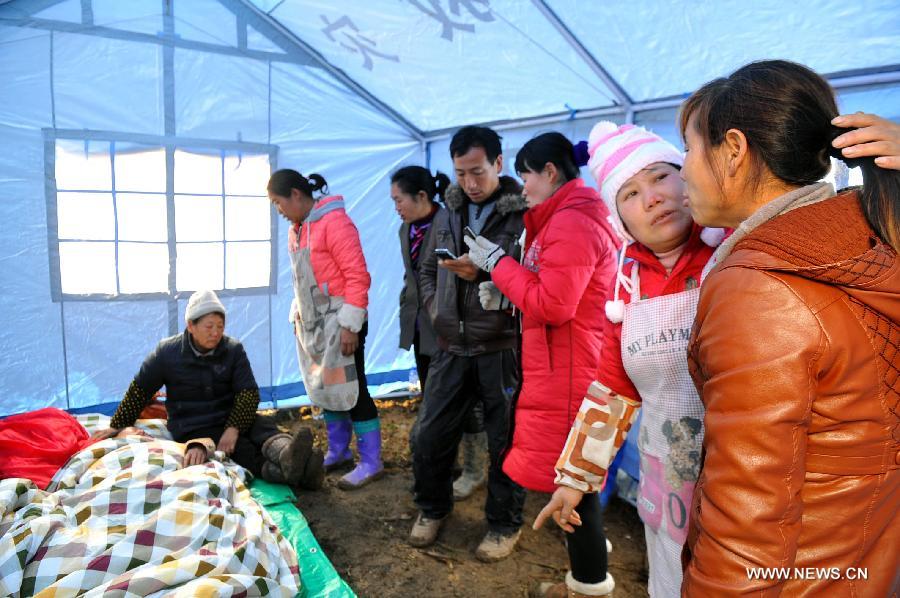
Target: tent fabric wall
[[81, 353], [315, 84]]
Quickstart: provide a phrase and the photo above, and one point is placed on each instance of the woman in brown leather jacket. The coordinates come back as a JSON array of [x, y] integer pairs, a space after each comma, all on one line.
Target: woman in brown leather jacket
[[794, 349]]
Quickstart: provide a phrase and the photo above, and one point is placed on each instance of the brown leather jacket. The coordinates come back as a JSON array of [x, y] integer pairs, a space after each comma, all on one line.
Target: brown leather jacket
[[795, 355]]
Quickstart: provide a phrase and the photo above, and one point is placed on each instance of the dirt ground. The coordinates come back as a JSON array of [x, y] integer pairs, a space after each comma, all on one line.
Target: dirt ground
[[364, 533]]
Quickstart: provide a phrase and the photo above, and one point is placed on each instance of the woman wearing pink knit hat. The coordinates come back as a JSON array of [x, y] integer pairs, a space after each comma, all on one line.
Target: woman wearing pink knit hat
[[648, 322]]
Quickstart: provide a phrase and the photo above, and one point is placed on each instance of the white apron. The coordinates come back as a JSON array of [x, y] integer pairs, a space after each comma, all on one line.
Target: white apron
[[655, 336], [329, 376]]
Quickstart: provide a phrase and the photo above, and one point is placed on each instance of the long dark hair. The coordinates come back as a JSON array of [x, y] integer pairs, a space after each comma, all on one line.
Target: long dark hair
[[785, 110], [549, 147], [412, 179], [282, 181]]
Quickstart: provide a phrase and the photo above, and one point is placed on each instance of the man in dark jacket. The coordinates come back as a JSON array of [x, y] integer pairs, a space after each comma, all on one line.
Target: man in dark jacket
[[476, 356], [211, 392]]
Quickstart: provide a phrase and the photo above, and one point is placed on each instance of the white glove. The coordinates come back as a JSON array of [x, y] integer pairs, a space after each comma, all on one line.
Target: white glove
[[484, 253], [294, 313], [491, 298]]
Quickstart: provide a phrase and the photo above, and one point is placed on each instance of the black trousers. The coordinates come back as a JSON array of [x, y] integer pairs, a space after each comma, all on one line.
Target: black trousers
[[475, 418], [365, 409], [587, 544], [454, 383], [248, 448]]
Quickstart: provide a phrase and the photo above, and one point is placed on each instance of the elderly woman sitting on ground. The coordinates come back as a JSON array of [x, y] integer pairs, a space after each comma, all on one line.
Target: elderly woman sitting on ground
[[211, 392]]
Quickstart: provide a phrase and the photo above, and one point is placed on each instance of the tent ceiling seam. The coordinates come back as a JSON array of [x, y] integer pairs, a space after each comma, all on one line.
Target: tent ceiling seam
[[338, 73], [618, 91]]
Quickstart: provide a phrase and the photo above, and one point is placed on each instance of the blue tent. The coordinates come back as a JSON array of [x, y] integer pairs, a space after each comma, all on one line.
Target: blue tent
[[137, 137]]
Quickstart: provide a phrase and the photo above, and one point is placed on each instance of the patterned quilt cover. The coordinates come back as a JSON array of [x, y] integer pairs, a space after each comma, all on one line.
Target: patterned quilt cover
[[123, 518]]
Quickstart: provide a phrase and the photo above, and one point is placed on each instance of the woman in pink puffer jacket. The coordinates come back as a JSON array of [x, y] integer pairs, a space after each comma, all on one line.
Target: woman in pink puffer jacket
[[331, 287]]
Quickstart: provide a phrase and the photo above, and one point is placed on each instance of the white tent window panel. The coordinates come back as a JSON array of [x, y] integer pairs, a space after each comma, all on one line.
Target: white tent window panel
[[143, 267], [247, 219], [141, 171], [115, 234], [142, 217], [86, 216], [241, 264], [198, 173], [87, 268], [200, 266], [246, 175], [77, 167], [198, 218]]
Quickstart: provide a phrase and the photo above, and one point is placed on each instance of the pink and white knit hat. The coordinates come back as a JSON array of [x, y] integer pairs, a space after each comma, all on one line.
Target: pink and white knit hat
[[618, 152]]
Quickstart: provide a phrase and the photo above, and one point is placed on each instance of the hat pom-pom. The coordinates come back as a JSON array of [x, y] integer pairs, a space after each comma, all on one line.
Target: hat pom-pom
[[713, 236], [580, 153], [615, 311], [600, 130]]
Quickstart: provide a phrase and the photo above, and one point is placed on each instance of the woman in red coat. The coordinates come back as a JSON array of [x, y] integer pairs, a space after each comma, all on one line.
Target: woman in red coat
[[560, 287]]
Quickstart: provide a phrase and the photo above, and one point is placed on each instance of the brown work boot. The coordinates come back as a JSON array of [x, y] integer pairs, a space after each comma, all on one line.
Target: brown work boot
[[301, 464], [496, 546], [425, 531]]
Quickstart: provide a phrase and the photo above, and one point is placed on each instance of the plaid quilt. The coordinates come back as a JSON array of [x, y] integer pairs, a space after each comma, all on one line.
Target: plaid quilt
[[123, 518]]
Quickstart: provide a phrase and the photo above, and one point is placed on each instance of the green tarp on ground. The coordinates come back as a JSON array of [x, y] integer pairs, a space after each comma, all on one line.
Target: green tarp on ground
[[317, 575]]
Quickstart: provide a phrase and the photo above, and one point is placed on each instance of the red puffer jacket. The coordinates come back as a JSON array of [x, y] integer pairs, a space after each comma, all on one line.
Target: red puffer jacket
[[36, 444], [336, 253], [570, 260]]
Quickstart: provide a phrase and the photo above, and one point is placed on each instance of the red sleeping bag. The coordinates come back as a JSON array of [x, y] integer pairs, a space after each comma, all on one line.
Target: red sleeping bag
[[35, 445]]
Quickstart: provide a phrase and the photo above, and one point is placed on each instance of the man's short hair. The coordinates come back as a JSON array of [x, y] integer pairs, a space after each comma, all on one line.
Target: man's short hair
[[468, 137]]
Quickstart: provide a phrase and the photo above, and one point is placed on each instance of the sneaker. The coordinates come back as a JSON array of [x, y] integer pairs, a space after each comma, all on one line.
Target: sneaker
[[496, 546], [425, 530]]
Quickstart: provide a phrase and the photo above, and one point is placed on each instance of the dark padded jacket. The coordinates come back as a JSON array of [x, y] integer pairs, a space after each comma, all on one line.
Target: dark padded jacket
[[462, 326], [412, 315], [200, 391]]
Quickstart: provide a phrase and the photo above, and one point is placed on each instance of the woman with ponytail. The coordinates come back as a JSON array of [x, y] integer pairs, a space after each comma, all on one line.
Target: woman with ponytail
[[331, 288], [569, 258], [413, 190], [794, 346]]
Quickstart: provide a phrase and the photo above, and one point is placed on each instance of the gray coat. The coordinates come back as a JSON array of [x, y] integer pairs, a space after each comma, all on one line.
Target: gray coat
[[411, 307]]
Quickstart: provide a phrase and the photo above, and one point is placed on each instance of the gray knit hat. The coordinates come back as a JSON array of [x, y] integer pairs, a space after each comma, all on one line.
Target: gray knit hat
[[202, 303]]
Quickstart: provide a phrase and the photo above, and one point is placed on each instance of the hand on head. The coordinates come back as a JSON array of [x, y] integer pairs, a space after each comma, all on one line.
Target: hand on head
[[871, 136]]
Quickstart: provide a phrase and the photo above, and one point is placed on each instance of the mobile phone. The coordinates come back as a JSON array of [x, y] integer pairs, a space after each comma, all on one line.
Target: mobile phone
[[444, 254], [469, 232]]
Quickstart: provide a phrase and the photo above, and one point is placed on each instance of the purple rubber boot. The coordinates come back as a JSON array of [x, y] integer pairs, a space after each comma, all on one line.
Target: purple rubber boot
[[370, 467], [340, 430]]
